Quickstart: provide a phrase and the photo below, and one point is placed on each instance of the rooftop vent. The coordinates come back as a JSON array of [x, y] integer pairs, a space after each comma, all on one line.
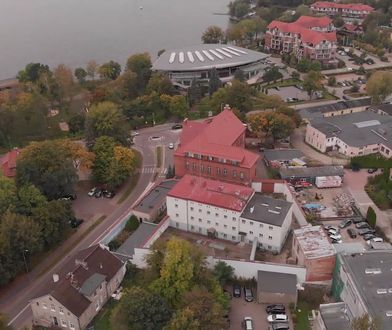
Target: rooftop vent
[[252, 209], [264, 204], [278, 207], [272, 211], [373, 271], [388, 313], [382, 291]]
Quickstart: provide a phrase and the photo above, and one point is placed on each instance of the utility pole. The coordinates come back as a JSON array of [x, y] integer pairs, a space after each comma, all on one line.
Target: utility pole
[[24, 259]]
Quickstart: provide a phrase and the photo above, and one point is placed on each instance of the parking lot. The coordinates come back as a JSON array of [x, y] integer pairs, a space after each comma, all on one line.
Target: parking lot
[[289, 92], [343, 232]]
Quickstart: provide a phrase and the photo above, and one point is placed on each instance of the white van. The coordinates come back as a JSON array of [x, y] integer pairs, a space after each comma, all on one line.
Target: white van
[[277, 318]]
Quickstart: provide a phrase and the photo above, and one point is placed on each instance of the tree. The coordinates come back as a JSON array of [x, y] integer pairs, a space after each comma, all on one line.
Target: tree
[[338, 21], [29, 198], [132, 224], [194, 92], [64, 78], [105, 118], [371, 217], [161, 84], [110, 70], [49, 165], [214, 83], [332, 81], [295, 75], [140, 309], [223, 272], [91, 69], [7, 193], [379, 86], [178, 106], [183, 319], [177, 274], [312, 82], [213, 35], [141, 65], [80, 75], [4, 323], [32, 72], [76, 123], [239, 8], [239, 75], [271, 124], [364, 322], [272, 74]]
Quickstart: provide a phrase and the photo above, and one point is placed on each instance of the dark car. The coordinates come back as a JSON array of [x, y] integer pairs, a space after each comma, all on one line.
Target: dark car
[[74, 223], [362, 225], [366, 231], [108, 193], [177, 126], [352, 233], [345, 223], [98, 193], [248, 294], [275, 309], [368, 237], [357, 220], [280, 326], [372, 170], [236, 290], [69, 197]]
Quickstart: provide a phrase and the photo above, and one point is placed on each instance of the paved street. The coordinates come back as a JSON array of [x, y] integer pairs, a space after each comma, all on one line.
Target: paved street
[[14, 297]]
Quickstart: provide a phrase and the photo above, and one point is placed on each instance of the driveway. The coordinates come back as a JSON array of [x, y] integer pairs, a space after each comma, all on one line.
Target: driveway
[[239, 309], [298, 142], [355, 183]]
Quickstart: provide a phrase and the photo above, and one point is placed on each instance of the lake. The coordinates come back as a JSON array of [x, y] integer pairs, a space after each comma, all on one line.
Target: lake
[[76, 31]]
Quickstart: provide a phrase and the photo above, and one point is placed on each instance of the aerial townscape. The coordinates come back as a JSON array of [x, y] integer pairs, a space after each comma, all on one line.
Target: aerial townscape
[[241, 179]]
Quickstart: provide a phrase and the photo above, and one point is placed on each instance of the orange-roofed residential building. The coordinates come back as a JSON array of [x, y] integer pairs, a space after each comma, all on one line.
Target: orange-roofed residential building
[[356, 11], [215, 148], [8, 163]]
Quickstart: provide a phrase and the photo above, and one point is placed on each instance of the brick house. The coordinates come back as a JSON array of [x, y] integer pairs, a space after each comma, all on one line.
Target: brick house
[[308, 37], [8, 163], [312, 249], [357, 11], [77, 295], [215, 148]]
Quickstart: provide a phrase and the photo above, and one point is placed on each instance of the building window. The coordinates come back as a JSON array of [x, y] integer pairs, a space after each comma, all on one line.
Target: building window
[[234, 219], [251, 223], [209, 169], [71, 325], [233, 238], [243, 221], [63, 323], [225, 216], [234, 228], [199, 229], [202, 168], [192, 217], [270, 227], [177, 215], [176, 206], [208, 212], [225, 226], [217, 224], [216, 214], [269, 237], [61, 310], [260, 235], [52, 308], [241, 175], [200, 220], [250, 232], [192, 227], [208, 221], [97, 305], [224, 172], [199, 210], [218, 171], [191, 208], [261, 225], [177, 224]]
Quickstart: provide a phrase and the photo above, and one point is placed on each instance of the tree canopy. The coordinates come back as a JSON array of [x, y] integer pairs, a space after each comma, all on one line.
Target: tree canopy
[[213, 35], [379, 86]]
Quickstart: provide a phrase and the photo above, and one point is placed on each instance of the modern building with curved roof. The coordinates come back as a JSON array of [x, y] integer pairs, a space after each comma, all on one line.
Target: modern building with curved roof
[[195, 62]]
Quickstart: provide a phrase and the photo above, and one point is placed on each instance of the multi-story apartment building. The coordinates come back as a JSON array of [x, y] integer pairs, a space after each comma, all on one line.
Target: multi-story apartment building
[[356, 11], [77, 296], [309, 37], [229, 211], [215, 148]]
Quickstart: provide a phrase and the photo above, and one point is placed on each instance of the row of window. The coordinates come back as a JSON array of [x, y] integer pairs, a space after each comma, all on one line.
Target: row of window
[[200, 230], [212, 159], [219, 171]]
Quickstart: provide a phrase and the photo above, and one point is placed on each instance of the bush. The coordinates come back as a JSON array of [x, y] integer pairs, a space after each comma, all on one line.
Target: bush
[[132, 224], [371, 161], [113, 245], [371, 217]]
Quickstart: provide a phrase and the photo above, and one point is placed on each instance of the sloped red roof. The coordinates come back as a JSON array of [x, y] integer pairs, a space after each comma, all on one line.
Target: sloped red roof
[[215, 137], [352, 6], [8, 163], [309, 22], [352, 27], [212, 192]]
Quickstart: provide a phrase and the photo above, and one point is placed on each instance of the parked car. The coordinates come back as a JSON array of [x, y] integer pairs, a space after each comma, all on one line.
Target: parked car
[[248, 294], [236, 290], [135, 133], [336, 237], [177, 126], [171, 146], [362, 225], [275, 309], [372, 170], [366, 231], [352, 233], [368, 237], [336, 241], [248, 323], [374, 239], [357, 220], [345, 223], [108, 193], [277, 318], [98, 193], [117, 294], [75, 223], [279, 326], [333, 231], [92, 192]]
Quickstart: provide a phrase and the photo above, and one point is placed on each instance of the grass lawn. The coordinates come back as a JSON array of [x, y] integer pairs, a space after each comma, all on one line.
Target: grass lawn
[[379, 189], [302, 312], [102, 320]]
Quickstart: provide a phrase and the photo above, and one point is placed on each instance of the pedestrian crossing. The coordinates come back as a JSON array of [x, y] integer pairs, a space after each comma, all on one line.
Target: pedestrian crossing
[[149, 170]]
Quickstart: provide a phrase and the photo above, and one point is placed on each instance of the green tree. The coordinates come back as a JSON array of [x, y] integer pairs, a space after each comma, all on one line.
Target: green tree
[[7, 193], [214, 83], [32, 72], [64, 79], [4, 323], [371, 217], [161, 84], [213, 35], [76, 123], [140, 309], [239, 8], [141, 65], [194, 92], [338, 21], [132, 224], [239, 75], [332, 81], [183, 319], [303, 65], [178, 106], [80, 75], [295, 75], [110, 70], [105, 118], [379, 86], [29, 197], [272, 74], [364, 322], [91, 69], [223, 272], [312, 82]]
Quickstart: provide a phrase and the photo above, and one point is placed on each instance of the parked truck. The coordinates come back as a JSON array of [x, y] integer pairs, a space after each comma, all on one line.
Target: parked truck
[[328, 181]]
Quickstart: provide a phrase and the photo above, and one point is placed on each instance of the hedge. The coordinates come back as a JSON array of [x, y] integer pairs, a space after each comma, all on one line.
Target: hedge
[[371, 161]]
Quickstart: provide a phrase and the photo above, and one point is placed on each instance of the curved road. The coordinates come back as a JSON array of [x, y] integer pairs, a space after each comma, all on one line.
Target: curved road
[[14, 297]]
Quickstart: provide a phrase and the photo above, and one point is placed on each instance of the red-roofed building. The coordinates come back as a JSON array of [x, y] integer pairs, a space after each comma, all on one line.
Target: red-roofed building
[[357, 11], [8, 163], [352, 28], [215, 148], [310, 37]]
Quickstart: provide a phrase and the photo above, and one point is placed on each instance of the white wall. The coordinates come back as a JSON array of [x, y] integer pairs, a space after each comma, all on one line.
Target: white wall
[[249, 269], [163, 225]]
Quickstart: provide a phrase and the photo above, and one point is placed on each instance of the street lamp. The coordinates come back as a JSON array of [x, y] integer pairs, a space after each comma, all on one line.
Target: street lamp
[[24, 258]]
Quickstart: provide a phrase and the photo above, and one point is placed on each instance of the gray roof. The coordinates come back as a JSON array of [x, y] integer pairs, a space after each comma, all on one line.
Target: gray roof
[[319, 110], [335, 316], [137, 238], [276, 282], [91, 284], [206, 57], [387, 108], [367, 284], [357, 129], [282, 154], [311, 172], [155, 197], [266, 209]]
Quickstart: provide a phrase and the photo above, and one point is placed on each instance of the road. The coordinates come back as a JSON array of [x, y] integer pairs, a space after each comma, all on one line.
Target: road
[[14, 297]]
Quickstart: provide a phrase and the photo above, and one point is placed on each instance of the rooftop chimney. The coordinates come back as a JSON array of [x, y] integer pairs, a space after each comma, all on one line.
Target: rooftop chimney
[[55, 278]]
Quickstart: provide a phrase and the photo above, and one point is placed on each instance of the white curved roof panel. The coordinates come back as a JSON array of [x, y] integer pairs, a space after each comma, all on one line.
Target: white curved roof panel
[[205, 57]]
